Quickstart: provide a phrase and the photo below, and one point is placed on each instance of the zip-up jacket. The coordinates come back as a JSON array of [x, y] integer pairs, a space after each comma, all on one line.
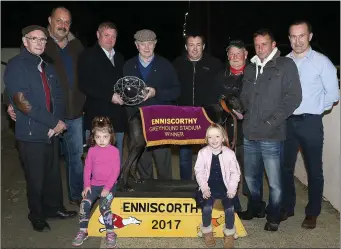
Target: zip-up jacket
[[270, 98], [197, 80], [26, 93]]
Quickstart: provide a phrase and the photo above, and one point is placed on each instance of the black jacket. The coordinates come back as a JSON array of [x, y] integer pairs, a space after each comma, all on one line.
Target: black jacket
[[228, 83], [97, 77], [162, 77], [197, 80], [270, 99]]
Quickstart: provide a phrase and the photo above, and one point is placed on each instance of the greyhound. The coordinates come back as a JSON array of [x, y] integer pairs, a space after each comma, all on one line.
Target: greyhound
[[227, 105]]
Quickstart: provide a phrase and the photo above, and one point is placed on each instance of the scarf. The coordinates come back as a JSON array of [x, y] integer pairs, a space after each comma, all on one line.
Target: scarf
[[255, 59], [237, 71]]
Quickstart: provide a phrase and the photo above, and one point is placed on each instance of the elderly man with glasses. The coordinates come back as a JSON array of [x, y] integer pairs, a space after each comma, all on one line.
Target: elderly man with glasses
[[37, 100]]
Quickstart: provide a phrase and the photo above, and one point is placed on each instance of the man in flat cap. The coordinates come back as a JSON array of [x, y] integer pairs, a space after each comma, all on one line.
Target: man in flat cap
[[37, 99], [163, 89]]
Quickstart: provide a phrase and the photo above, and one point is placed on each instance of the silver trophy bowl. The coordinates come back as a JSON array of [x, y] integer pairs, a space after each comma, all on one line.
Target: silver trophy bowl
[[131, 89]]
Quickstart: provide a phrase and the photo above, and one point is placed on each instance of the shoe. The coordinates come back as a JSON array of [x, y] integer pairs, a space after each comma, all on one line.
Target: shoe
[[75, 202], [246, 215], [285, 215], [249, 214], [273, 227], [63, 214], [41, 226], [207, 233], [309, 222], [111, 240], [80, 238], [229, 237]]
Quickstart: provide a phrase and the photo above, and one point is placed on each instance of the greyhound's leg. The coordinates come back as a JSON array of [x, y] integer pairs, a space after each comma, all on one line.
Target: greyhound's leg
[[136, 148]]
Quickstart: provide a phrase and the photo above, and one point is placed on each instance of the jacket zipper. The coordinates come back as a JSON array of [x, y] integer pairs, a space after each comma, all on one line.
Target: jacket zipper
[[193, 86], [29, 127], [53, 107]]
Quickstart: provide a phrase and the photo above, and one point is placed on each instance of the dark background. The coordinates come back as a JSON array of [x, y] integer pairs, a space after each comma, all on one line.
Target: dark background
[[217, 21]]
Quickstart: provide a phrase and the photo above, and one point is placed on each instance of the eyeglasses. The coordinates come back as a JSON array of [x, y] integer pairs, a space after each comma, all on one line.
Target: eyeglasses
[[37, 39]]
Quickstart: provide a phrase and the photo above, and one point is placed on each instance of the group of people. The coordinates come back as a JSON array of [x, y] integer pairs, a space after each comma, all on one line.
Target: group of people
[[55, 85]]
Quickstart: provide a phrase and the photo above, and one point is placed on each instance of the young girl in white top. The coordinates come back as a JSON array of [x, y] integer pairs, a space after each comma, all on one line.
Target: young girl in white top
[[217, 173]]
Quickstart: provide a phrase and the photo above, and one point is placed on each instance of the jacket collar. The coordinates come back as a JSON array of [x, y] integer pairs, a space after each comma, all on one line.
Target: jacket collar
[[272, 62], [33, 58], [36, 58]]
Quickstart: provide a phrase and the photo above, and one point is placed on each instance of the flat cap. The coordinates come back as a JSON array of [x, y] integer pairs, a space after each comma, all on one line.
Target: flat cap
[[31, 28], [145, 35], [236, 43]]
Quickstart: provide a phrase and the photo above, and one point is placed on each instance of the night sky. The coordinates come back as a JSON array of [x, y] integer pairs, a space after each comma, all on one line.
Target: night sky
[[217, 21]]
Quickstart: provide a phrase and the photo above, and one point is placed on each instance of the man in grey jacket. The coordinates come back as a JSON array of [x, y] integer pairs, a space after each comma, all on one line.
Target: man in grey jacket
[[271, 92]]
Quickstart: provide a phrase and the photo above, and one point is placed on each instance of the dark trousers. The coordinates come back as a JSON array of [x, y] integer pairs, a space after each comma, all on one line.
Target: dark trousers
[[104, 207], [162, 158], [305, 132], [43, 178], [228, 209]]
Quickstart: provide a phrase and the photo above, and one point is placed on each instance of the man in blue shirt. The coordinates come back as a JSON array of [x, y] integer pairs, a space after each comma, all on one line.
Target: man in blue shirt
[[305, 128]]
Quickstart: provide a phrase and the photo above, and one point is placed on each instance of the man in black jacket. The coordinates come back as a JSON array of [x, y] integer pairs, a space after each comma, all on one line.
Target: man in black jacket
[[163, 89], [196, 71], [99, 69], [271, 92]]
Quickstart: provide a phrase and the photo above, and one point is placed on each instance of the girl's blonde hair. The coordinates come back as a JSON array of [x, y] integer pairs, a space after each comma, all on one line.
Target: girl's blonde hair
[[102, 124], [221, 129]]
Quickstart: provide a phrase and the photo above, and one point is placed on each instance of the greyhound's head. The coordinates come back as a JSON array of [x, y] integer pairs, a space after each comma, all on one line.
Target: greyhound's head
[[234, 103]]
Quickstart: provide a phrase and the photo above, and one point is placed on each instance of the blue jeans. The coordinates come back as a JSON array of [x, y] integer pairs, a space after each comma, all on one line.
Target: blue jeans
[[119, 143], [305, 131], [73, 150], [185, 162], [228, 209], [269, 151]]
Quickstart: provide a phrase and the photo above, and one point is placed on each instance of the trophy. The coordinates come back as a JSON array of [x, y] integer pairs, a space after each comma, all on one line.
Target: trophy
[[131, 89]]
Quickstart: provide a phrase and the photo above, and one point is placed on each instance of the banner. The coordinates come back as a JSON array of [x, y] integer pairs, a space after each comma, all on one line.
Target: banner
[[167, 124], [159, 217]]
